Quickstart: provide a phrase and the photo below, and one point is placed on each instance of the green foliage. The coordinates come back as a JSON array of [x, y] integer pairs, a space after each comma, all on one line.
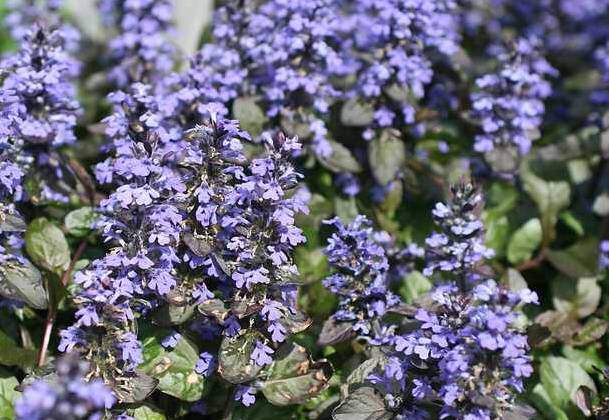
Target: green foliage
[[8, 394], [47, 246], [387, 157], [175, 368], [524, 242]]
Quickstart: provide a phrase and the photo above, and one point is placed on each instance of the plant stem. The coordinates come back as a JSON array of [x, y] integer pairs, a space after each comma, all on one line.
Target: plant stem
[[52, 309]]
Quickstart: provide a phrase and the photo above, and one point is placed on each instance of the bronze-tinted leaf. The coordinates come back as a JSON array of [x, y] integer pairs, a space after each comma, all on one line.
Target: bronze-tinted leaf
[[334, 332], [364, 403], [235, 361], [214, 308]]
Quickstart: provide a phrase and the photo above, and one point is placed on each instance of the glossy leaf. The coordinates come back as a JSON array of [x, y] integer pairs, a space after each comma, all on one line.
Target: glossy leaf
[[561, 378], [355, 113], [579, 297], [147, 412], [23, 282], [8, 394], [341, 159], [47, 246], [79, 222], [235, 364], [174, 369], [387, 156], [364, 403], [524, 242]]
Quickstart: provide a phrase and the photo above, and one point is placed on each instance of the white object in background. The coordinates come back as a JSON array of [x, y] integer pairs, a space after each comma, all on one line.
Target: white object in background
[[86, 17], [191, 17]]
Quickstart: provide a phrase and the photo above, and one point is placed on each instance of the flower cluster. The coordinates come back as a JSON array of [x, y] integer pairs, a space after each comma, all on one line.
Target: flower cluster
[[69, 396], [361, 280], [467, 353], [242, 230], [283, 51], [391, 42], [140, 51], [141, 217], [574, 25], [38, 113], [509, 104], [459, 246], [23, 14], [300, 57]]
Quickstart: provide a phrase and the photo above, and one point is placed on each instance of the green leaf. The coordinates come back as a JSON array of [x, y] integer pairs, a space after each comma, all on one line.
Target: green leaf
[[312, 264], [549, 196], [23, 282], [572, 222], [561, 379], [79, 223], [497, 231], [174, 369], [341, 159], [13, 355], [8, 395], [589, 359], [355, 113], [235, 362], [580, 297], [364, 403], [413, 286], [290, 359], [360, 374], [345, 208], [47, 246], [541, 399], [393, 198], [503, 159], [262, 410], [601, 205], [579, 260], [387, 156], [298, 389], [524, 242], [250, 115], [168, 314], [292, 378], [501, 198], [147, 412]]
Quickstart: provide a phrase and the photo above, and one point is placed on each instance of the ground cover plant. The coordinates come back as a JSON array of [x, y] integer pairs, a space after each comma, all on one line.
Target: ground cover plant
[[329, 209]]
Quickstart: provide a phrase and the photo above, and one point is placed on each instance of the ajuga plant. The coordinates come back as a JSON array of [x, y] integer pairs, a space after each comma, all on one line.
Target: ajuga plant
[[465, 357], [293, 46], [508, 104], [23, 14], [140, 50], [69, 396], [178, 245], [298, 64], [141, 220], [38, 113], [361, 281], [240, 237]]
